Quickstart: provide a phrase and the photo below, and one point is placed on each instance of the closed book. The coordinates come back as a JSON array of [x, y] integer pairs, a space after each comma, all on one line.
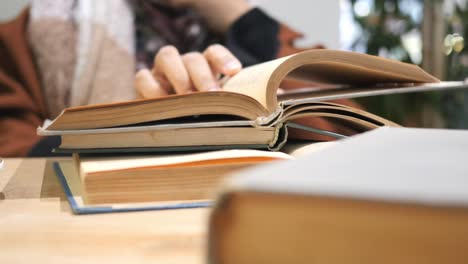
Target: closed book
[[109, 183], [392, 195]]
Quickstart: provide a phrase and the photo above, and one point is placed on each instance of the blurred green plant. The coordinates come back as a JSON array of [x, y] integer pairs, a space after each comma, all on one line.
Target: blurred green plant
[[457, 27], [382, 30], [453, 105]]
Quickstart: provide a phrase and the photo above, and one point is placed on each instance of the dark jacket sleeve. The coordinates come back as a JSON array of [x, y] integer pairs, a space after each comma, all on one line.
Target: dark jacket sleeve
[[22, 106], [254, 38]]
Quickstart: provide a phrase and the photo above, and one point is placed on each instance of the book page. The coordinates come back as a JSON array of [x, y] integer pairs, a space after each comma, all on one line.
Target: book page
[[332, 109], [254, 81], [324, 66], [99, 164]]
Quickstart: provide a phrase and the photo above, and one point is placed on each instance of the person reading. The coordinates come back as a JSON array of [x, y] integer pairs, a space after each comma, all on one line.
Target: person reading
[[59, 54]]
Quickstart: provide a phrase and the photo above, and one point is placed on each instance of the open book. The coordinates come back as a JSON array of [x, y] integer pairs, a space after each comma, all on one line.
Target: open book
[[248, 113]]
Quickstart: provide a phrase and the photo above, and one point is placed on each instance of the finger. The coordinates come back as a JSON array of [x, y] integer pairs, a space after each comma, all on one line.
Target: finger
[[222, 60], [163, 82], [168, 64], [147, 86], [200, 72]]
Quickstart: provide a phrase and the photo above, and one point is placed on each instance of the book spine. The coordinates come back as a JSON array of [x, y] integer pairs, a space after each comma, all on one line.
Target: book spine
[[281, 137], [271, 120]]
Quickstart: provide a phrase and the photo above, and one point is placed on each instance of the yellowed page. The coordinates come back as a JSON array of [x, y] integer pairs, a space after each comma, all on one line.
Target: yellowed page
[[253, 81], [95, 164], [327, 66]]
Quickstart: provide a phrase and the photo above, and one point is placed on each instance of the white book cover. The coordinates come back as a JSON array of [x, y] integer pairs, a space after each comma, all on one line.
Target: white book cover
[[413, 165]]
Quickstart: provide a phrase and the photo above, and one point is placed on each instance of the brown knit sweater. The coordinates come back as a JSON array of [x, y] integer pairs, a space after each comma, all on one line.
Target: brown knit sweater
[[22, 105]]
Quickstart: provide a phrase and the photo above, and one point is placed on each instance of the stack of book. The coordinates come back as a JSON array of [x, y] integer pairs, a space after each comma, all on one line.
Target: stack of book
[[240, 126]]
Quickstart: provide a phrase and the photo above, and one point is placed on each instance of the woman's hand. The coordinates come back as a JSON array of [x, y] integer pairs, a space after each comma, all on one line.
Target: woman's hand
[[180, 74]]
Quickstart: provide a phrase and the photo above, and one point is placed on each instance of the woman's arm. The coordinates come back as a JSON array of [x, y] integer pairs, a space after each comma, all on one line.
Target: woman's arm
[[249, 33], [254, 38]]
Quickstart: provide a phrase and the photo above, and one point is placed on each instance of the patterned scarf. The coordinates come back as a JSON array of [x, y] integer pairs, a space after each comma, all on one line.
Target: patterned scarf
[[85, 49]]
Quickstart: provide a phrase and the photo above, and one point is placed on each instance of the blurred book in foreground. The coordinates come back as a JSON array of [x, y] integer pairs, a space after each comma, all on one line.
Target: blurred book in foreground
[[392, 195]]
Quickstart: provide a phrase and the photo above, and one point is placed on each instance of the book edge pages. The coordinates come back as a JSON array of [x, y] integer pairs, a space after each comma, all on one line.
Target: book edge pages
[[43, 131], [259, 122], [78, 207]]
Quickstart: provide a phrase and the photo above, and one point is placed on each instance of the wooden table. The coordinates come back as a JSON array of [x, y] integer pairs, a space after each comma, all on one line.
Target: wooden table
[[37, 225]]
